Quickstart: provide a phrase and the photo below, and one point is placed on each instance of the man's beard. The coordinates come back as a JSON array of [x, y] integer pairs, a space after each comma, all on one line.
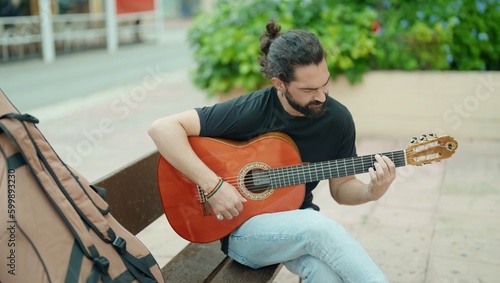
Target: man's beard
[[313, 109]]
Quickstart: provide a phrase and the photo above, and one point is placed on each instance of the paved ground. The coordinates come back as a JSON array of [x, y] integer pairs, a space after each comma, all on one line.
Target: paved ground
[[438, 223]]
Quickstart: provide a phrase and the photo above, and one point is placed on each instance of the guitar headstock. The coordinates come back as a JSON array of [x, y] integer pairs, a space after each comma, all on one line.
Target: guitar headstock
[[430, 149]]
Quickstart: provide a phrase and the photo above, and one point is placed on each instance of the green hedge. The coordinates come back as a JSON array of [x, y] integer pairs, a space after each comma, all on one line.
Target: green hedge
[[438, 35], [358, 35]]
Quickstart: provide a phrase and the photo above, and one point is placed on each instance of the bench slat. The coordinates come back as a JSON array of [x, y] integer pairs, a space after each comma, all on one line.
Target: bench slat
[[133, 193], [205, 263], [233, 269], [195, 263]]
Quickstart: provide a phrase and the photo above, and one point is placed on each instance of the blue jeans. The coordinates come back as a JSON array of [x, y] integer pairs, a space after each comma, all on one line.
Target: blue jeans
[[308, 243]]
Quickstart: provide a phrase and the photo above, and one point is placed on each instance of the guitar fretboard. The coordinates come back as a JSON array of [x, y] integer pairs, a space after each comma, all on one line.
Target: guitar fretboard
[[306, 173]]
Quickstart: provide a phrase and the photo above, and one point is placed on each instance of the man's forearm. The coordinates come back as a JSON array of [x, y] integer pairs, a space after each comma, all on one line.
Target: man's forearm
[[352, 192], [172, 142]]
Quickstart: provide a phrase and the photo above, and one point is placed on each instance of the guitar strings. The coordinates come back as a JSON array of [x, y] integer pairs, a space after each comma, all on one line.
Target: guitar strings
[[320, 168], [325, 166]]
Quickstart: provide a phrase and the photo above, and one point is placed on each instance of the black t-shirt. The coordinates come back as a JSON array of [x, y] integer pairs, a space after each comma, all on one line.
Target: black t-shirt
[[332, 136]]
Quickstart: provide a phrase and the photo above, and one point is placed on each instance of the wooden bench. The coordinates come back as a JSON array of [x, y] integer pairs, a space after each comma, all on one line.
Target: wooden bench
[[135, 202]]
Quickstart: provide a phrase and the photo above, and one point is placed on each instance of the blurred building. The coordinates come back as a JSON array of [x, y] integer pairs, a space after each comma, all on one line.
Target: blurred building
[[171, 8], [79, 25]]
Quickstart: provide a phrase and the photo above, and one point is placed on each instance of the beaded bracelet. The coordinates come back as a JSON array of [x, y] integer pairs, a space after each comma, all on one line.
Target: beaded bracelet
[[215, 189]]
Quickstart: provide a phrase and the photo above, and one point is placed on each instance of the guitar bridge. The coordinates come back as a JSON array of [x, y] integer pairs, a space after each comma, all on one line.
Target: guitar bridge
[[205, 206]]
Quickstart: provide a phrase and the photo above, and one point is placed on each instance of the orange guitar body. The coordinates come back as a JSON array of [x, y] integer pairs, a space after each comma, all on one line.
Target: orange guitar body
[[232, 161]]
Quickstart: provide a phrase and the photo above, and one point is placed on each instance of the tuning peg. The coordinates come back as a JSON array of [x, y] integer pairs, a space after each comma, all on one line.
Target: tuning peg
[[432, 135], [423, 137], [413, 140]]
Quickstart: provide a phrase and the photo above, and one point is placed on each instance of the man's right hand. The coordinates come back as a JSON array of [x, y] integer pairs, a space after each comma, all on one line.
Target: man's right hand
[[227, 201]]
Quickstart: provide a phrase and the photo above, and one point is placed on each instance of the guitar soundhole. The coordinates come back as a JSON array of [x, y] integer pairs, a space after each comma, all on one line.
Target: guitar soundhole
[[253, 181], [256, 181]]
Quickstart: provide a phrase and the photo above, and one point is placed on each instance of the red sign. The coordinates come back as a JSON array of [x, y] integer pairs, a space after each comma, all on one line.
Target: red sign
[[134, 6]]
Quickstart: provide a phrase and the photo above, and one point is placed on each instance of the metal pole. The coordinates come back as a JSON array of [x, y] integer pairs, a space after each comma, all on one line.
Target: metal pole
[[111, 26], [159, 20], [47, 31]]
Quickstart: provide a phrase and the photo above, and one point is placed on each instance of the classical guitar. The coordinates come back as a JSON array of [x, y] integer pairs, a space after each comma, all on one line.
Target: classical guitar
[[269, 173]]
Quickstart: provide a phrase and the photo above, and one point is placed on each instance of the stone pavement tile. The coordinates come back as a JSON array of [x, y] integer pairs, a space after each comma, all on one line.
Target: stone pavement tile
[[400, 253], [402, 217], [468, 236], [452, 270], [473, 176], [285, 276], [471, 186], [482, 204]]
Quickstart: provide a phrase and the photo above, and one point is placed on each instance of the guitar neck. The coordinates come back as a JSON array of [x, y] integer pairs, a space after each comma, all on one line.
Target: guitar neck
[[312, 172]]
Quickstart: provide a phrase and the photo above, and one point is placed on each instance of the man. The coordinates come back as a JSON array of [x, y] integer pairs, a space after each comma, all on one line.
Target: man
[[307, 242]]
